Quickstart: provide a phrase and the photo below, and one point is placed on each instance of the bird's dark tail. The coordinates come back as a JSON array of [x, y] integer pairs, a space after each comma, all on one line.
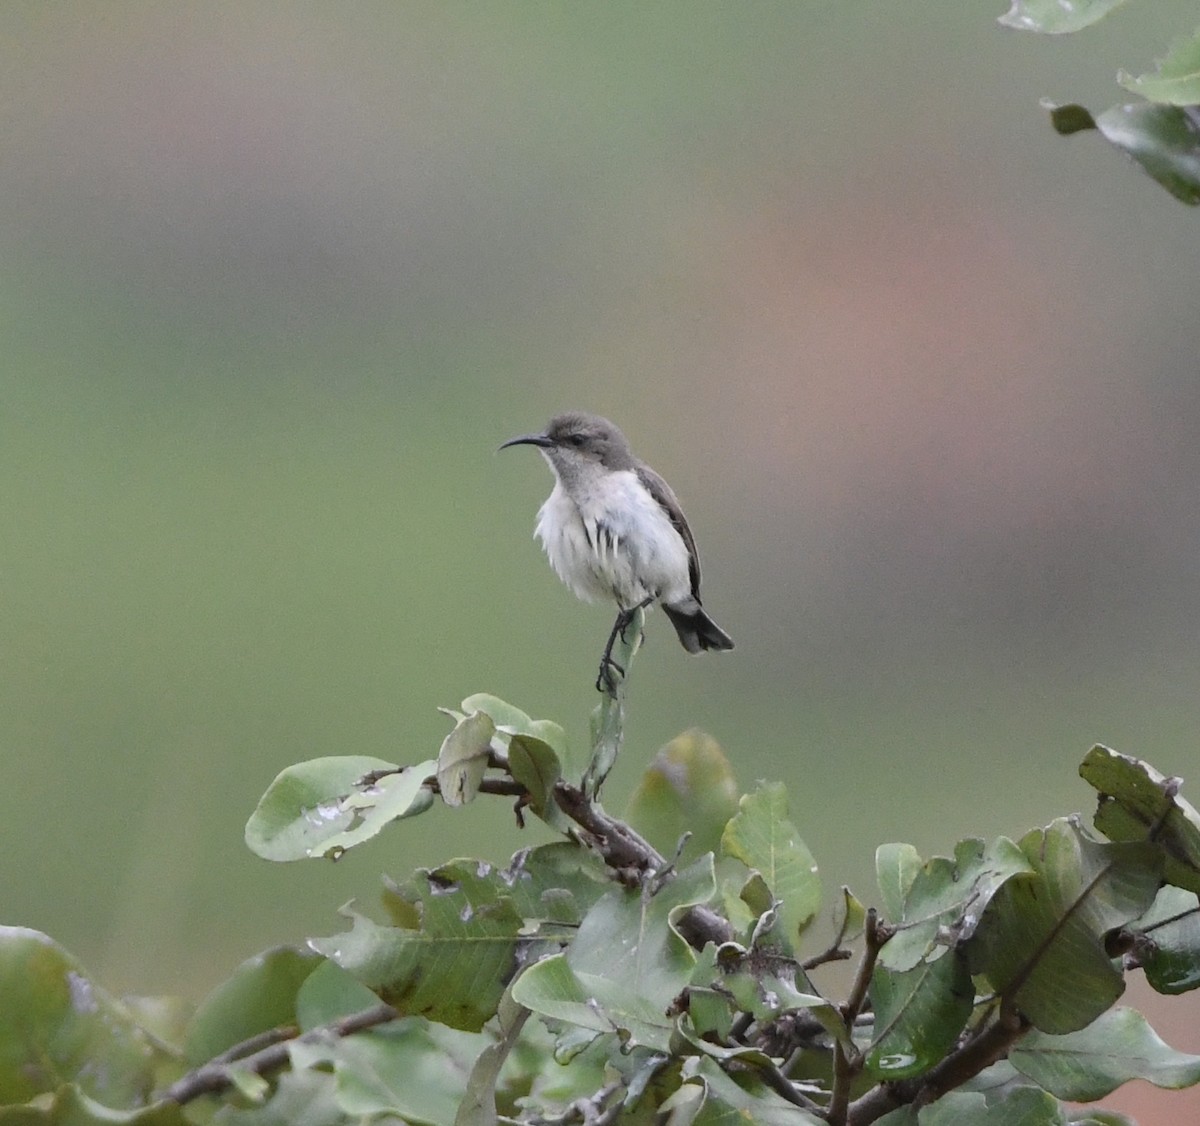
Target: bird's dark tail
[[696, 629]]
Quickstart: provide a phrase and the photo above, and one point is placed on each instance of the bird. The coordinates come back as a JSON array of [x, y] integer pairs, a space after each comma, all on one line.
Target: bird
[[612, 528]]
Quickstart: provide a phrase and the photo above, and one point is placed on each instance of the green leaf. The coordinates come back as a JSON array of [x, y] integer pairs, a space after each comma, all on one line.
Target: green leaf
[[770, 993], [762, 838], [626, 965], [463, 758], [946, 898], [1137, 802], [69, 1106], [503, 714], [1053, 17], [321, 807], [1163, 140], [688, 788], [554, 883], [1177, 82], [1019, 1106], [59, 1026], [390, 799], [1041, 939], [849, 917], [918, 1015], [260, 994], [408, 1068], [535, 764], [726, 1103], [329, 993], [452, 968], [552, 989], [1115, 1048], [896, 867], [300, 1098], [1169, 950]]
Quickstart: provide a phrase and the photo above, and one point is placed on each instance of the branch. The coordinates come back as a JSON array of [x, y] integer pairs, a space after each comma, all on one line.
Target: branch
[[591, 1111], [847, 1062], [217, 1075], [620, 846], [635, 860]]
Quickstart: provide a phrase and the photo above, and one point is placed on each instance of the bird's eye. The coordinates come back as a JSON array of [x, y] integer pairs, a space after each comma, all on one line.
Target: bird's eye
[[575, 439]]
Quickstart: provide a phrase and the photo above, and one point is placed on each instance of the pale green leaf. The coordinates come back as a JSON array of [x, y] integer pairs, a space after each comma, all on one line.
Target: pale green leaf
[[689, 788], [503, 714], [323, 806], [1056, 17], [1115, 1048], [478, 1105], [1177, 81], [1020, 1106], [411, 1069], [896, 867], [762, 838], [1099, 1116], [301, 1098], [626, 965], [608, 717], [768, 996], [729, 1103], [849, 916], [1164, 140], [463, 758], [554, 883], [392, 798]]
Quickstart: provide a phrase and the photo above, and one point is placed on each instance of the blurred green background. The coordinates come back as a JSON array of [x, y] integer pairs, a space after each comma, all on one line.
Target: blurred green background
[[278, 278]]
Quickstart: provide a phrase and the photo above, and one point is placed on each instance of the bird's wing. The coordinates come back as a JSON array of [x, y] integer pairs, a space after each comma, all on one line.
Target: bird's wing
[[661, 492]]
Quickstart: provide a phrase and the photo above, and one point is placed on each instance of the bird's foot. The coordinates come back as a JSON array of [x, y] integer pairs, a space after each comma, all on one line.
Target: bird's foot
[[625, 617], [611, 674]]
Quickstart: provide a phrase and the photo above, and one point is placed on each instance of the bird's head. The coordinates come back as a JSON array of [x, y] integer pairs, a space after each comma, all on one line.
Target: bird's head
[[572, 440]]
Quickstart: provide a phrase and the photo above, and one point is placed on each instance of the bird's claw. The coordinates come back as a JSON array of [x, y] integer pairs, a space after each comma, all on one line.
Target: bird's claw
[[610, 676]]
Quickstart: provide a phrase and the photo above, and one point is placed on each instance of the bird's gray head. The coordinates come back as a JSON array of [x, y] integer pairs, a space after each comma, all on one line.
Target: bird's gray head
[[575, 440]]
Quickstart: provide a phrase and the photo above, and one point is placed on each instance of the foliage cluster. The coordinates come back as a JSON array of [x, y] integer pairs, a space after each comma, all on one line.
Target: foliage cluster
[[1161, 133], [659, 968]]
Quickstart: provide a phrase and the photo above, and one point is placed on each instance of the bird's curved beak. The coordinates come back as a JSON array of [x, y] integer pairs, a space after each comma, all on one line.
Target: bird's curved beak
[[527, 440]]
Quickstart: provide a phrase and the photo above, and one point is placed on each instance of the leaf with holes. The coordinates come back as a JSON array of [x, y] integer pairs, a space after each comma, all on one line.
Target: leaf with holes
[[1137, 802], [453, 967]]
